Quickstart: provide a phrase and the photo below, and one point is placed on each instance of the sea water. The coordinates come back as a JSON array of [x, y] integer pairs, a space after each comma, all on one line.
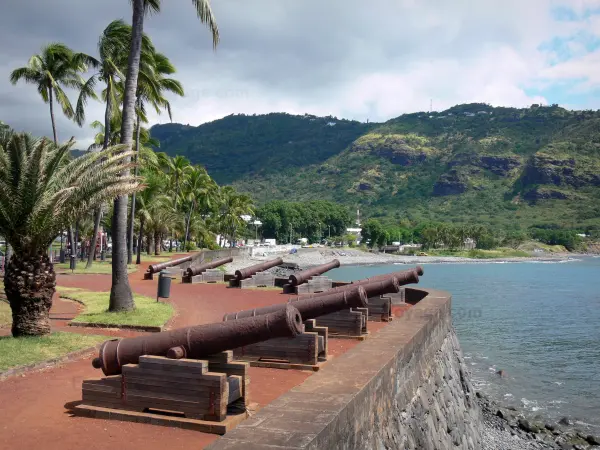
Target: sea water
[[539, 322]]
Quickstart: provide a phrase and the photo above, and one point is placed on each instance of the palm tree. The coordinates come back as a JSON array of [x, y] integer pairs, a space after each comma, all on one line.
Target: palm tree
[[121, 297], [112, 48], [56, 67], [197, 188], [233, 206], [152, 84], [41, 191]]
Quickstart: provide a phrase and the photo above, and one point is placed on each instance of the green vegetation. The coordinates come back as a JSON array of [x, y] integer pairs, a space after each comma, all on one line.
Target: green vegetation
[[41, 191], [481, 254], [148, 312], [100, 267], [505, 168], [5, 314], [36, 349], [239, 145], [312, 220]]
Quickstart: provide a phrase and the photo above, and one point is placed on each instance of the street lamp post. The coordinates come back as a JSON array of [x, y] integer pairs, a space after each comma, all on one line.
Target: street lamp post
[[256, 223]]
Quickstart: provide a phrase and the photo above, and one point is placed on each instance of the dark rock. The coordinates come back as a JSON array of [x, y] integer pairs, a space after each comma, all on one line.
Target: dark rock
[[565, 421], [565, 446], [500, 165], [450, 183], [592, 440], [525, 425], [550, 426]]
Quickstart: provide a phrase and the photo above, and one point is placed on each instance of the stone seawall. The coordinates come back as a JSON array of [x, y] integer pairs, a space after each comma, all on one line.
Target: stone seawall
[[406, 387]]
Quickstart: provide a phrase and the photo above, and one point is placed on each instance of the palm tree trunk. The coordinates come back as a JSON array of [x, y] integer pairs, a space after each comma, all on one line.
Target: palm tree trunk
[[150, 240], [157, 243], [138, 259], [187, 226], [132, 212], [121, 298], [50, 100], [29, 283], [105, 144], [94, 240]]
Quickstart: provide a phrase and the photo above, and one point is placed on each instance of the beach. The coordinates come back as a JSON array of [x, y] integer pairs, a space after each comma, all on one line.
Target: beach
[[308, 257]]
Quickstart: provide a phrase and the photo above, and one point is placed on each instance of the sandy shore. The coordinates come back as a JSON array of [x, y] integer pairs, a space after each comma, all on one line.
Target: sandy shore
[[307, 257]]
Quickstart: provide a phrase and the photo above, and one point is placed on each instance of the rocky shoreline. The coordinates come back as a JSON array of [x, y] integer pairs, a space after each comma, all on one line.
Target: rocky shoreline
[[505, 428], [305, 258]]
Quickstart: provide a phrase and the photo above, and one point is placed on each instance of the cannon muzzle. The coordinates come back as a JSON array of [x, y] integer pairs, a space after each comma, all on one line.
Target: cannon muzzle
[[311, 308], [247, 272], [305, 275], [192, 271], [199, 341]]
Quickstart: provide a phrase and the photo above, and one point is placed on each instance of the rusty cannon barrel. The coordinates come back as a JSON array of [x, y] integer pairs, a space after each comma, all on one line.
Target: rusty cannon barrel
[[247, 272], [305, 275], [192, 271], [404, 277], [155, 268], [372, 288], [311, 308], [199, 341]]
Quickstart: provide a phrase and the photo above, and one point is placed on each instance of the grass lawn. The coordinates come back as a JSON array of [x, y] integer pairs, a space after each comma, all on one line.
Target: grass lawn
[[148, 311], [29, 350], [5, 314], [99, 267]]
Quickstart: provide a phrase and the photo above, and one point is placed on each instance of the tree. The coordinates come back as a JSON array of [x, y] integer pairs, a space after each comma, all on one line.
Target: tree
[[152, 84], [41, 191], [56, 67], [373, 232], [233, 206], [121, 297]]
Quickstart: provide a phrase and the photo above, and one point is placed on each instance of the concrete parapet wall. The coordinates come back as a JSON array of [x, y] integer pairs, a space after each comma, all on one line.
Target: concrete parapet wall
[[406, 387]]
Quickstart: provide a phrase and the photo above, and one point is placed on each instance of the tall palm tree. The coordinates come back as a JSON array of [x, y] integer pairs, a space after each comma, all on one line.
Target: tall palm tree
[[121, 297], [146, 201], [55, 68], [152, 85], [112, 48], [41, 191]]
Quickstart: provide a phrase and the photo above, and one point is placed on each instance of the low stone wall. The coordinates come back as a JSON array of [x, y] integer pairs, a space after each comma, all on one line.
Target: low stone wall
[[406, 387]]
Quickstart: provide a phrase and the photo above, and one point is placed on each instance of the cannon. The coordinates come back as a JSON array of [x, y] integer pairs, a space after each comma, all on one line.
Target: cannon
[[193, 271], [247, 272], [156, 268], [305, 275], [199, 341], [378, 285], [311, 308], [404, 277]]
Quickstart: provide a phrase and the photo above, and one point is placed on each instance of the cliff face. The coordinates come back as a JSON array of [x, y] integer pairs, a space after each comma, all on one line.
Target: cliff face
[[471, 162]]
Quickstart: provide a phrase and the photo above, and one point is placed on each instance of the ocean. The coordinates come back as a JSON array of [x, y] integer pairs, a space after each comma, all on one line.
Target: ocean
[[537, 321]]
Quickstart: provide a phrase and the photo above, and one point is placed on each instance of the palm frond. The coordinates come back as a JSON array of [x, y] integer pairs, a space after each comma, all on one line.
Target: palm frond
[[205, 14]]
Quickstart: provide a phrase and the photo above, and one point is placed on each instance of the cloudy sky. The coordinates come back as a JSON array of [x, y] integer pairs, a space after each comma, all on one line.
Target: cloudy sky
[[348, 58]]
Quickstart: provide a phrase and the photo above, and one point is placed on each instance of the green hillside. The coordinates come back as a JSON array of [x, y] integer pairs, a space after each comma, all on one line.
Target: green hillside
[[498, 166]]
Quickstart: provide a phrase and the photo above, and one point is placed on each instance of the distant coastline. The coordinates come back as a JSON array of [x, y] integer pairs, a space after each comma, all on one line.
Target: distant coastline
[[352, 257]]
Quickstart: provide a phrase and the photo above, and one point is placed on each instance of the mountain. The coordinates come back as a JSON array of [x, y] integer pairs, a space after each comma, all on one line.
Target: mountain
[[471, 163]]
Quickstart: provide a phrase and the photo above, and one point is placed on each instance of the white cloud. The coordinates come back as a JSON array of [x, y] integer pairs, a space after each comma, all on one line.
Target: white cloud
[[351, 59]]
